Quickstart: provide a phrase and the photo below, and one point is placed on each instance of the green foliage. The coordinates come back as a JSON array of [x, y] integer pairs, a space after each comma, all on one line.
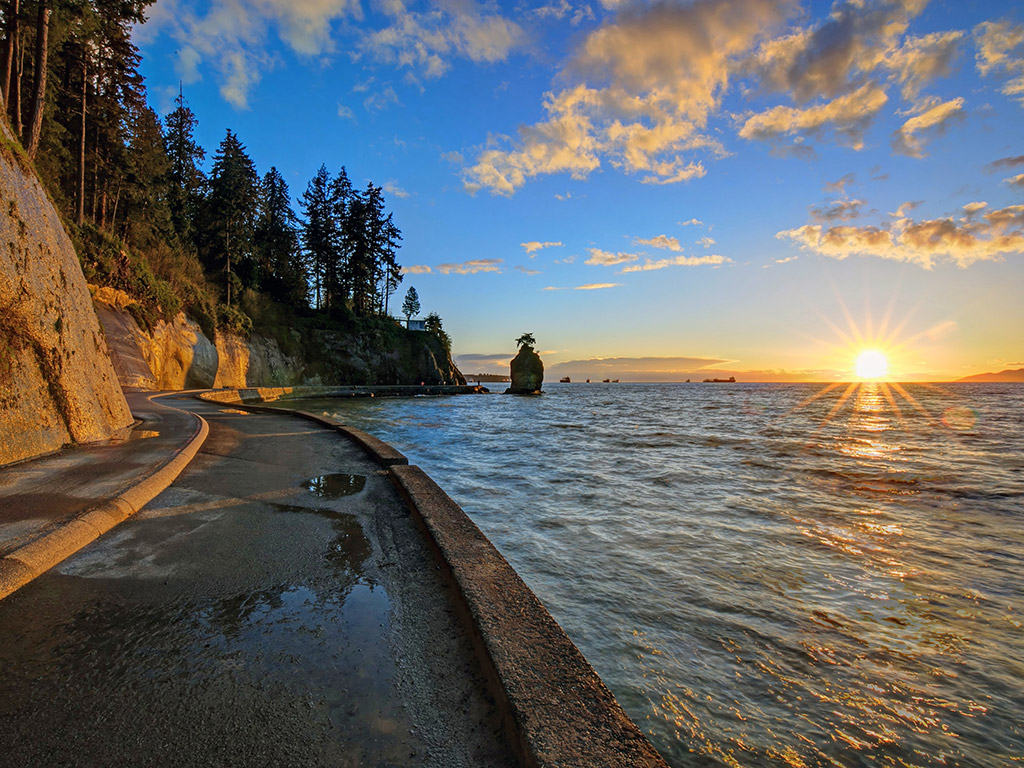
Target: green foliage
[[233, 320], [526, 340], [433, 325], [411, 304]]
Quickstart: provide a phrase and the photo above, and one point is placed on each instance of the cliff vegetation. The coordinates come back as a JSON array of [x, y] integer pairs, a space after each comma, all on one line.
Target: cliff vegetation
[[205, 245]]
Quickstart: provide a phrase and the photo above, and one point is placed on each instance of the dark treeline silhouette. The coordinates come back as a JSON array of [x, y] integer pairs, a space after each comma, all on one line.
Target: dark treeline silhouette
[[145, 215]]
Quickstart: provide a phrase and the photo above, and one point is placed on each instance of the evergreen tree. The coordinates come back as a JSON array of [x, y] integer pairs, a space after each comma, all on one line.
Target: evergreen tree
[[411, 304], [230, 216], [141, 194], [281, 267], [371, 242], [320, 235], [186, 176], [433, 325]]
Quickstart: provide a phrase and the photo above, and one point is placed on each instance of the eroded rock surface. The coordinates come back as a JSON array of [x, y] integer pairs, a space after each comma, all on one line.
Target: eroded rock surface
[[57, 384], [527, 372]]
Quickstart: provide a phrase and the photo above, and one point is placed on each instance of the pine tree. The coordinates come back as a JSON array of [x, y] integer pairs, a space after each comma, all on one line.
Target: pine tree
[[230, 215], [411, 304], [140, 198], [432, 324], [186, 176], [320, 235], [282, 271]]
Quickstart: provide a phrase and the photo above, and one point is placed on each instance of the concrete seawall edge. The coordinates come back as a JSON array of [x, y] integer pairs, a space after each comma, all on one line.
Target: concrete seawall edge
[[557, 710]]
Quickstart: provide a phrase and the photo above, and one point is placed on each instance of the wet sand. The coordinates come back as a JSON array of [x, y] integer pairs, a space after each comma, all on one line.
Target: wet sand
[[276, 605]]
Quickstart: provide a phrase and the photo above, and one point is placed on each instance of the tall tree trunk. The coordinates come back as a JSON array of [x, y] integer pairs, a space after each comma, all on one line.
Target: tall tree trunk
[[80, 213], [117, 198], [19, 65], [39, 96], [9, 47]]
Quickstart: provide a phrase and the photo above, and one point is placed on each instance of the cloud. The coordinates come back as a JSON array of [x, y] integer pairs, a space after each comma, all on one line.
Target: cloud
[[1001, 49], [971, 239], [608, 259], [526, 271], [838, 210], [533, 246], [933, 116], [1005, 162], [345, 113], [380, 100], [1016, 181], [596, 286], [663, 242], [678, 261], [426, 42], [848, 115], [417, 269], [706, 241], [922, 59], [831, 59], [691, 223], [647, 83], [392, 188], [839, 185], [231, 36], [471, 267]]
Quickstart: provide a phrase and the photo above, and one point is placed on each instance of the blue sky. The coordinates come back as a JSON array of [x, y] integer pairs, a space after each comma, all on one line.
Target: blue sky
[[654, 190]]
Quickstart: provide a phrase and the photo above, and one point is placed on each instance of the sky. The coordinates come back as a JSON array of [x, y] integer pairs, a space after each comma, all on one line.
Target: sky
[[655, 191]]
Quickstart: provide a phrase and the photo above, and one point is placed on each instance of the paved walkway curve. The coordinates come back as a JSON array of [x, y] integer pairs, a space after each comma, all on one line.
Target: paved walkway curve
[[53, 506], [275, 606]]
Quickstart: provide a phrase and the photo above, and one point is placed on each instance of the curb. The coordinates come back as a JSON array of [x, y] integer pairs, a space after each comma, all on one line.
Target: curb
[[24, 564], [556, 709]]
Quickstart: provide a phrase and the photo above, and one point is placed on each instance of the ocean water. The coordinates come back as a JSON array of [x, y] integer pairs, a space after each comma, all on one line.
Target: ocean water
[[763, 574]]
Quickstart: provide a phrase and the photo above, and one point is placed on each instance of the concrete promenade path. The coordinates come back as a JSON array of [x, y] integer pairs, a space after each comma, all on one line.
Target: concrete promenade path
[[276, 605], [52, 506]]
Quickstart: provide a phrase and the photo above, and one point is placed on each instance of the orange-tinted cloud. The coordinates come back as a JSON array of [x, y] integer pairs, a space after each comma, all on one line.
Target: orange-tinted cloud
[[471, 267], [1001, 50], [609, 259], [677, 261], [933, 116], [962, 240]]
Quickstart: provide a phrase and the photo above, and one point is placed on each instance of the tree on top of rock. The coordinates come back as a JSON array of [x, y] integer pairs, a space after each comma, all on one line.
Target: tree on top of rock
[[526, 340]]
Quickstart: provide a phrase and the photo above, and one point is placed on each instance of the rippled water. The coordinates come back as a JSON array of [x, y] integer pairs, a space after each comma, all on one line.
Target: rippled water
[[762, 574]]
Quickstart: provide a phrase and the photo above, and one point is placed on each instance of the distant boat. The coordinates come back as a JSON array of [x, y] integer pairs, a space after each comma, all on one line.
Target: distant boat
[[588, 381], [564, 380], [730, 380], [606, 381], [615, 381]]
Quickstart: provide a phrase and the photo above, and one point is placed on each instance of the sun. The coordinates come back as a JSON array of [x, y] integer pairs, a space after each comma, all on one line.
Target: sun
[[871, 364]]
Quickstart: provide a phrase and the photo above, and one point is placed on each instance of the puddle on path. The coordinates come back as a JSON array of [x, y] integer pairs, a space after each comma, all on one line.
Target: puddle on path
[[335, 486]]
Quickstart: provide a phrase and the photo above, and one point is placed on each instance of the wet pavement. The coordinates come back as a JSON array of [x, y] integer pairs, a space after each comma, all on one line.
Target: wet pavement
[[40, 494], [275, 606]]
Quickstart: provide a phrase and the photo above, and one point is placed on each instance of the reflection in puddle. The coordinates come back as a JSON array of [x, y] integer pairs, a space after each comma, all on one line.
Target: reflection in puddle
[[336, 486], [142, 434], [350, 548]]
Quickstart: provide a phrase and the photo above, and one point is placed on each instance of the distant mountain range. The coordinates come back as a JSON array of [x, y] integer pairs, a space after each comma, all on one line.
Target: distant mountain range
[[1009, 375]]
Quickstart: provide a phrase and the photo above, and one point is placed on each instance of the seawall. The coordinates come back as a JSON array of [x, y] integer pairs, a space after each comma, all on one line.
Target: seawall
[[556, 709]]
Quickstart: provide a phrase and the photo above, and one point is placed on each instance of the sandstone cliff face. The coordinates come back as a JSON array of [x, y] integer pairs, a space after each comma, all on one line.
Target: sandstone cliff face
[[57, 384], [177, 355]]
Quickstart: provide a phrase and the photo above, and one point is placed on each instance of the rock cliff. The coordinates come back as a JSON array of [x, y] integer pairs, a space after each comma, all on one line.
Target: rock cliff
[[57, 384], [178, 355]]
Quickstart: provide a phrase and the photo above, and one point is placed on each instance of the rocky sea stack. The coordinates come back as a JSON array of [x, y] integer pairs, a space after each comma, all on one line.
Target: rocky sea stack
[[527, 369]]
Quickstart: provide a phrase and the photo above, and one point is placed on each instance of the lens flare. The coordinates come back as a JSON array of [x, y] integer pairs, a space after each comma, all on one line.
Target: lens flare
[[871, 364]]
